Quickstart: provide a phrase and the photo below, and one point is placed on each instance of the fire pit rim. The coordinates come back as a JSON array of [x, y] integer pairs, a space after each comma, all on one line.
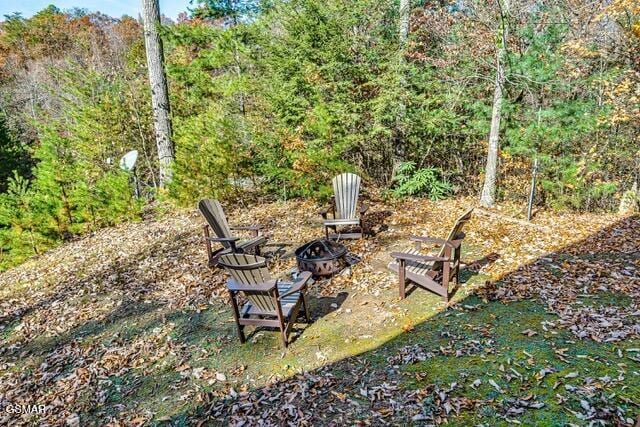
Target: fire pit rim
[[336, 252]]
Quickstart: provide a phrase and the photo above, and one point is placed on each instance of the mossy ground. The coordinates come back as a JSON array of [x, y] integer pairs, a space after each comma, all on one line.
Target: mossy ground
[[510, 351]]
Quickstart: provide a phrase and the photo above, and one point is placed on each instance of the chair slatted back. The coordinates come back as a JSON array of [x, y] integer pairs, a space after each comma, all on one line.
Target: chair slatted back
[[346, 188], [257, 275], [212, 211], [457, 228]]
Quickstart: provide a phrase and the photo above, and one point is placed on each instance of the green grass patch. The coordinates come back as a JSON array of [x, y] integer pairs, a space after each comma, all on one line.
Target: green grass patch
[[488, 344]]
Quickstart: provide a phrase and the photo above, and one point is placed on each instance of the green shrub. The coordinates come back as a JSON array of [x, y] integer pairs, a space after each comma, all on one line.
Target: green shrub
[[410, 181], [577, 186]]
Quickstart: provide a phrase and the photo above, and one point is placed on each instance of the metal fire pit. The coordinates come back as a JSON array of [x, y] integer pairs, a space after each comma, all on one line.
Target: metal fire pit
[[321, 257]]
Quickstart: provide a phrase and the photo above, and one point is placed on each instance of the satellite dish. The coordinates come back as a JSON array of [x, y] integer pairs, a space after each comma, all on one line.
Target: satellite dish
[[128, 161]]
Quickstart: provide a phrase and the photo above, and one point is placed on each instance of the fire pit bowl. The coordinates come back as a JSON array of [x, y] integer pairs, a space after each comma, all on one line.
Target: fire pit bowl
[[321, 257]]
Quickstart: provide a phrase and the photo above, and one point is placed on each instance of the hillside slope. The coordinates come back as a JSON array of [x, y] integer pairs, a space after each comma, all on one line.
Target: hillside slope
[[129, 325]]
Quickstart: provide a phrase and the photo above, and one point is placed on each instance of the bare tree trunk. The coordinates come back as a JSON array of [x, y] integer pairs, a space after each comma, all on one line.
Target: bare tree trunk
[[488, 196], [396, 148], [159, 92], [630, 201], [405, 9]]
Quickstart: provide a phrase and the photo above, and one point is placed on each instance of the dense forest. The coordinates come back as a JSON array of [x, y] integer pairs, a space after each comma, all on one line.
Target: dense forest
[[273, 98]]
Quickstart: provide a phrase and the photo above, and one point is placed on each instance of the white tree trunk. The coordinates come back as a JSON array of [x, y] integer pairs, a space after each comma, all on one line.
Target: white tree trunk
[[488, 196], [159, 92], [630, 201], [397, 150], [405, 9]]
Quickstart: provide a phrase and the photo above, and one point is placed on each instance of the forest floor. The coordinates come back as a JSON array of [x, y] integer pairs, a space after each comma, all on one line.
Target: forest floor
[[128, 326]]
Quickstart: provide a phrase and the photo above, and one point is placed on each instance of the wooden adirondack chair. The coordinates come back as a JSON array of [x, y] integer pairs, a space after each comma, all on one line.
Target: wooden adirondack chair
[[432, 272], [217, 221], [344, 204], [270, 302]]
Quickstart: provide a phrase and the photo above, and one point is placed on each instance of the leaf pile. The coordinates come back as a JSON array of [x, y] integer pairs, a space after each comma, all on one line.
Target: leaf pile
[[569, 283]]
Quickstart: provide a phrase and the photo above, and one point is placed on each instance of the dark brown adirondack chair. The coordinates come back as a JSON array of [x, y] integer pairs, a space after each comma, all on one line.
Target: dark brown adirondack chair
[[344, 207], [217, 221], [432, 272], [270, 302]]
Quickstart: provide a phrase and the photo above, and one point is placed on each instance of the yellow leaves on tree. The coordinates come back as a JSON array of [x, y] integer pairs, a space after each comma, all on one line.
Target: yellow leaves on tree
[[623, 95], [623, 7]]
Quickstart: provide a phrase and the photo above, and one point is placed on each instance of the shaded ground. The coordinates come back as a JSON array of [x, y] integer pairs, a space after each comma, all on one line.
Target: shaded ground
[[553, 343], [130, 326]]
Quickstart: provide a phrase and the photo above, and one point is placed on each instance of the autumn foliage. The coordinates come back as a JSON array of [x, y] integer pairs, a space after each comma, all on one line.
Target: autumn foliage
[[274, 99]]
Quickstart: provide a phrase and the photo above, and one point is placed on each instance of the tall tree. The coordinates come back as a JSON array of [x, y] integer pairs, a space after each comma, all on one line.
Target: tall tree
[[232, 11], [14, 157], [159, 92], [491, 170], [405, 9], [403, 35]]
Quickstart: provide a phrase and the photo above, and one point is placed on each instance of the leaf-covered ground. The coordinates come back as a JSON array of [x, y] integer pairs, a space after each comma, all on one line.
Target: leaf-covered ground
[[129, 326]]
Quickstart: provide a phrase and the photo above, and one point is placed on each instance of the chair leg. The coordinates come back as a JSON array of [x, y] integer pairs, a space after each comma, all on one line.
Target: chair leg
[[236, 314], [446, 274], [207, 244], [457, 261], [283, 336], [243, 339], [281, 319], [213, 262], [305, 303], [402, 278]]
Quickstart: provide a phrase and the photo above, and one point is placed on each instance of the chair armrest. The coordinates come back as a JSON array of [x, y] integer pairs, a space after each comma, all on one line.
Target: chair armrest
[[255, 229], [223, 239], [231, 240], [247, 227], [426, 239], [412, 257], [265, 237], [234, 286], [331, 207], [299, 284]]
